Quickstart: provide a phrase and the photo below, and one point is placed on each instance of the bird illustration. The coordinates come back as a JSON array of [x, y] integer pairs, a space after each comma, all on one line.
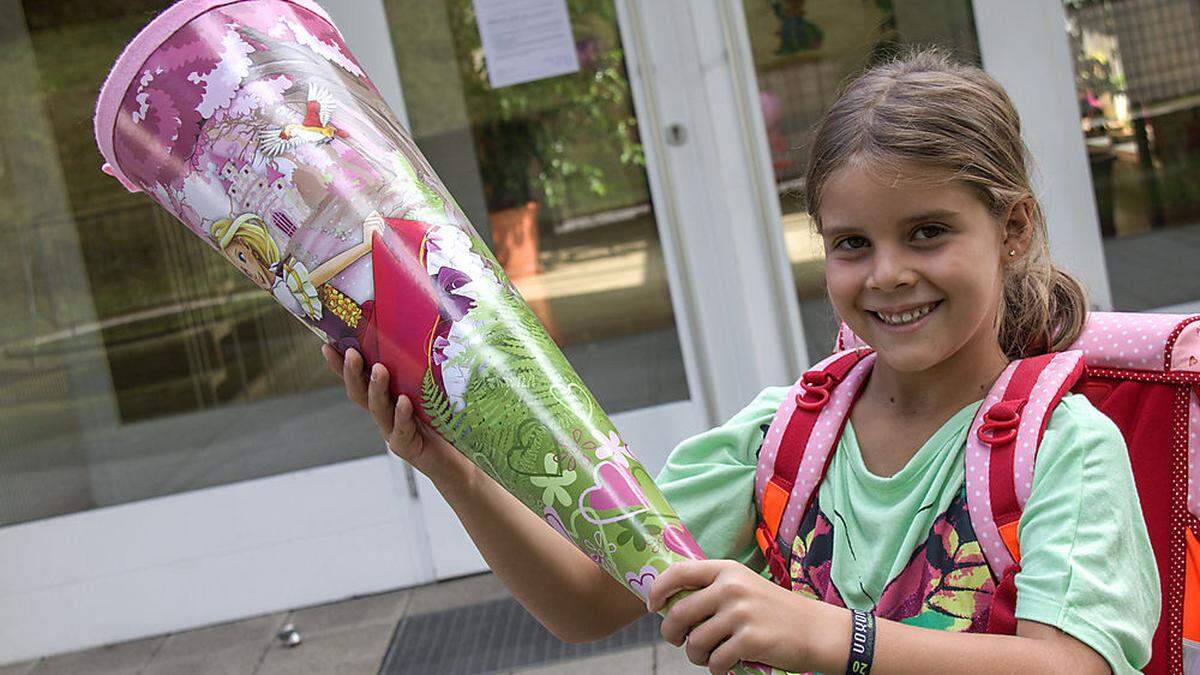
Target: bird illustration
[[315, 129]]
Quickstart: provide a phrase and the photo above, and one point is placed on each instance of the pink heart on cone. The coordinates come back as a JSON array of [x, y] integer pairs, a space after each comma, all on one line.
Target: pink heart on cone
[[680, 541], [614, 489]]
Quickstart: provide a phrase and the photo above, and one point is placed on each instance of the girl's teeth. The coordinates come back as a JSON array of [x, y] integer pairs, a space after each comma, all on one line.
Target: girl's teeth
[[906, 317]]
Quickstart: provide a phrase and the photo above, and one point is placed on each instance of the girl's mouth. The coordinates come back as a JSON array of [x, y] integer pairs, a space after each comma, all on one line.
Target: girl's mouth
[[907, 320]]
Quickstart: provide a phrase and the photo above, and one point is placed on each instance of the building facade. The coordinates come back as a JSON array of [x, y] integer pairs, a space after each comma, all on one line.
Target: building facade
[[173, 452]]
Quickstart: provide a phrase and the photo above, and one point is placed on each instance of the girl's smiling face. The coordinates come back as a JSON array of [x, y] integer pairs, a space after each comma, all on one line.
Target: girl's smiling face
[[914, 270]]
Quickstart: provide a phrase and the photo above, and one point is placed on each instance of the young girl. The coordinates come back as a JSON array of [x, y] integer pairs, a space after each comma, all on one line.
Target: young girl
[[937, 257]]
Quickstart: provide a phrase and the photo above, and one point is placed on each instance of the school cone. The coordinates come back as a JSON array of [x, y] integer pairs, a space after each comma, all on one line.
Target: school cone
[[253, 124]]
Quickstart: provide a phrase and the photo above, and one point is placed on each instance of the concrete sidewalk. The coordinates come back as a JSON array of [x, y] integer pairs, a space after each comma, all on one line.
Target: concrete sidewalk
[[351, 637]]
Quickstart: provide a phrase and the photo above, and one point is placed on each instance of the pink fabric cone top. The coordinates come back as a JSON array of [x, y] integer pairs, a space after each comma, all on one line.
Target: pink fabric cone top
[[252, 124]]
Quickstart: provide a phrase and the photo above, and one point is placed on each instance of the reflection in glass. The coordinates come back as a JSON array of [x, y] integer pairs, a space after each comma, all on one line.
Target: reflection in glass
[[134, 362], [803, 51], [551, 173], [1137, 77]]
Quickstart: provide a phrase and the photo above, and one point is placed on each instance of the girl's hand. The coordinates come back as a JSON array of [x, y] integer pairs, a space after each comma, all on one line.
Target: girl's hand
[[406, 437], [736, 615]]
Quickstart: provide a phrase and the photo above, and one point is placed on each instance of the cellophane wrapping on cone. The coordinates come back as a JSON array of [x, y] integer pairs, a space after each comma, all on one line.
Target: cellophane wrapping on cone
[[255, 127]]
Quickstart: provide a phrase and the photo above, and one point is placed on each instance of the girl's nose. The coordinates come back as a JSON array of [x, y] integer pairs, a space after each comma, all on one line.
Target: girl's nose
[[891, 270]]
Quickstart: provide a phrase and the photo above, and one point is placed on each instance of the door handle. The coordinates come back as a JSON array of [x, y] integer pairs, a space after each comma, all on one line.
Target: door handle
[[676, 134]]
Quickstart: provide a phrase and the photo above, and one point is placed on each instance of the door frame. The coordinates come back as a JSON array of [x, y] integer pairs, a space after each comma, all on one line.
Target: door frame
[[718, 193]]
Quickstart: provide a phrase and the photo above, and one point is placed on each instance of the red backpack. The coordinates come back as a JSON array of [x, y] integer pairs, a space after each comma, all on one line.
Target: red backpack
[[1141, 370]]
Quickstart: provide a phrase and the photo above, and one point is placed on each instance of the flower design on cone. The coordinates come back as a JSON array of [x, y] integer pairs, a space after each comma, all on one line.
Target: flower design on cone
[[555, 484], [612, 447]]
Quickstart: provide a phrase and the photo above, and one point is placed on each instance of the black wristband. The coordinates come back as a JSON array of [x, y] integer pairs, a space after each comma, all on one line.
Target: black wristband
[[862, 642]]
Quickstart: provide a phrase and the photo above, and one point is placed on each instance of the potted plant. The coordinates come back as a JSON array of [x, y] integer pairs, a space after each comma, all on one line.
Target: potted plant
[[538, 142], [508, 159]]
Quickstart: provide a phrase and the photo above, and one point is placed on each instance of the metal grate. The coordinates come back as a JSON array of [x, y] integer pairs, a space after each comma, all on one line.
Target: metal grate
[[493, 636]]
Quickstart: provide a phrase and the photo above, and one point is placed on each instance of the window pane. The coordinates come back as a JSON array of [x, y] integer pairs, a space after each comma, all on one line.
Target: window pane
[[1137, 76], [134, 361], [551, 173]]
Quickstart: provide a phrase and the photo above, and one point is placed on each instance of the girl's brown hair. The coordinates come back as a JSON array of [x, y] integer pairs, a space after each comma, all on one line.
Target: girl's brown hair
[[925, 109]]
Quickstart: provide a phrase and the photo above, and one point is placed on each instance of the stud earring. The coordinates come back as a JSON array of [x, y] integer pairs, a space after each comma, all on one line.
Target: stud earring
[[1011, 253]]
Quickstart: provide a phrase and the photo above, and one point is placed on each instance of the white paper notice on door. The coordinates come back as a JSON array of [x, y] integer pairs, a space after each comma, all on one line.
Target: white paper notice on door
[[525, 40]]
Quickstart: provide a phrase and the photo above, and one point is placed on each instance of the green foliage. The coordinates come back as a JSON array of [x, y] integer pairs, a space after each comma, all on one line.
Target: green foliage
[[1096, 75], [435, 404], [532, 136]]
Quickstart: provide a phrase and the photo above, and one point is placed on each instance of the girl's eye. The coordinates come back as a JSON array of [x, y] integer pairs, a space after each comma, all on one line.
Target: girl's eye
[[852, 243], [928, 231], [241, 256]]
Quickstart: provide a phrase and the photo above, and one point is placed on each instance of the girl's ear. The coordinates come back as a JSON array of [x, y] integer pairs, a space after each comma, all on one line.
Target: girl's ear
[[1018, 228]]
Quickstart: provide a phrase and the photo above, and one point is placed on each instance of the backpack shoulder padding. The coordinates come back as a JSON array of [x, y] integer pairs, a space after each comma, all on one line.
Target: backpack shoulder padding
[[1002, 447], [797, 447]]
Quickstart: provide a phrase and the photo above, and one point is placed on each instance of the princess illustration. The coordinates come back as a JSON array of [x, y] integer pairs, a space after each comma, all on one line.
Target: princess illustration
[[331, 313]]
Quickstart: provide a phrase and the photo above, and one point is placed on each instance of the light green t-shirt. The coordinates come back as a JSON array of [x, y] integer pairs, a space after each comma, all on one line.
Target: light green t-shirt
[[1086, 562]]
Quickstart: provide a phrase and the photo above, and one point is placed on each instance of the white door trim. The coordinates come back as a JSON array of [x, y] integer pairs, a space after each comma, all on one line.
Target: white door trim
[[752, 135], [744, 311], [1017, 39], [207, 556], [665, 189]]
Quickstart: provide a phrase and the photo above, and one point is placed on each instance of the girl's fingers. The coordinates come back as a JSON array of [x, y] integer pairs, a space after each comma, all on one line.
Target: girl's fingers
[[402, 423], [352, 374], [333, 360], [705, 637], [379, 400], [679, 576], [686, 614]]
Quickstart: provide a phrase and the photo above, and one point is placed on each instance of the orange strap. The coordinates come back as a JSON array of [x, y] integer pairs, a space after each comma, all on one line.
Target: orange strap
[[775, 500], [1008, 532]]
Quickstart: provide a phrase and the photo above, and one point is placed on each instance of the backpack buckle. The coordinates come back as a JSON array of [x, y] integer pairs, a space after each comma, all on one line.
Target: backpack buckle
[[816, 384], [775, 562], [1000, 422]]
